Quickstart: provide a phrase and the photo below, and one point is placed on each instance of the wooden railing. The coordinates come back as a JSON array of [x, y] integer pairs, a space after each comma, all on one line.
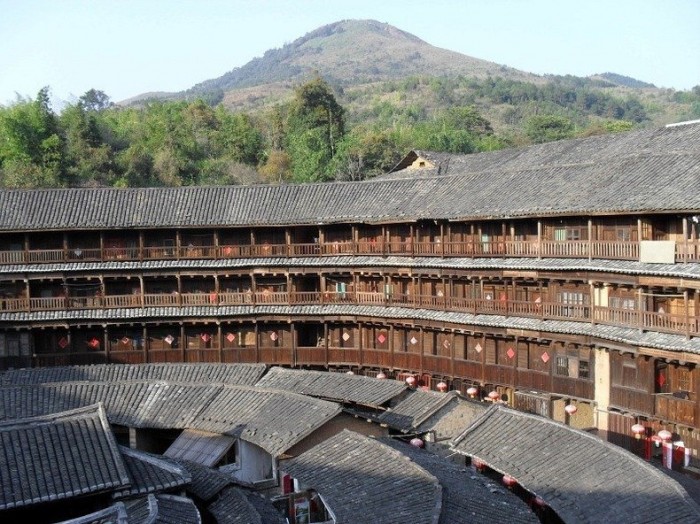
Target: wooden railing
[[681, 410], [645, 320], [595, 249]]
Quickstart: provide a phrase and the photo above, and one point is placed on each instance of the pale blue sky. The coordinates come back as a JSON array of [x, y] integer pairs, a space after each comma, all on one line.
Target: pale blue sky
[[129, 47]]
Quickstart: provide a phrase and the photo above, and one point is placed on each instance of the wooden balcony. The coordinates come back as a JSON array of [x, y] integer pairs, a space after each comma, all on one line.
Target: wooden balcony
[[645, 320], [595, 249], [676, 409], [632, 399]]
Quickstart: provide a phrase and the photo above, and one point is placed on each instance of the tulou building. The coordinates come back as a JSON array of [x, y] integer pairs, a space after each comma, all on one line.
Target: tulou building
[[562, 279]]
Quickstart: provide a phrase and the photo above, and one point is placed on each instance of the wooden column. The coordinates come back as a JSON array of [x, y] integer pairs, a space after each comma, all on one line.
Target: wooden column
[[590, 239], [183, 342], [220, 340], [539, 238]]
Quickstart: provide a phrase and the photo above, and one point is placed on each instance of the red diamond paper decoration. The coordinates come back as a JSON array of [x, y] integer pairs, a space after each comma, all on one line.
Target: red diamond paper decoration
[[510, 353], [414, 340], [381, 338], [661, 380], [545, 357], [205, 337], [125, 340], [538, 300], [94, 343], [230, 337], [63, 342], [273, 336], [478, 348], [346, 337], [169, 339]]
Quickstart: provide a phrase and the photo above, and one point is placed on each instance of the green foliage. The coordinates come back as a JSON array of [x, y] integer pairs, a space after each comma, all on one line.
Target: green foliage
[[315, 125], [547, 128]]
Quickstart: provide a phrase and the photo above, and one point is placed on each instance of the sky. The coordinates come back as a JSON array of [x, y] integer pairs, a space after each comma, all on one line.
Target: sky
[[130, 47]]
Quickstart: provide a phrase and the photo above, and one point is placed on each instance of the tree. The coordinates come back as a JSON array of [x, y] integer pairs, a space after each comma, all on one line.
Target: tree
[[315, 124], [94, 100], [547, 128]]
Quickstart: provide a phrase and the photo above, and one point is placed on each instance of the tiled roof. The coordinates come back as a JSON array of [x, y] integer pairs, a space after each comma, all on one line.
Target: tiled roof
[[115, 514], [273, 420], [206, 482], [151, 473], [239, 374], [579, 151], [625, 335], [355, 473], [163, 509], [620, 173], [55, 457], [415, 408], [237, 506], [581, 477], [339, 387], [467, 497], [200, 447], [390, 261]]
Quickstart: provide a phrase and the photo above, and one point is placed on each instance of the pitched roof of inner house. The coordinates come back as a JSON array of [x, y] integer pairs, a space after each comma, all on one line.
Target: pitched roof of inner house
[[151, 473], [415, 408], [273, 420], [59, 456], [340, 387], [355, 473], [240, 374], [200, 447], [206, 482], [163, 509], [581, 477], [467, 497], [238, 506], [115, 514], [637, 172]]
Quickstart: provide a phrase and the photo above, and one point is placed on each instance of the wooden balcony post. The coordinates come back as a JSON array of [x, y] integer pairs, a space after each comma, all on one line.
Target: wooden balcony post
[[26, 248], [687, 314], [590, 239], [141, 242], [179, 290], [183, 343], [102, 246], [178, 244], [539, 239], [288, 241], [442, 240], [105, 341], [220, 340], [353, 236], [142, 298], [65, 246], [293, 334], [686, 251]]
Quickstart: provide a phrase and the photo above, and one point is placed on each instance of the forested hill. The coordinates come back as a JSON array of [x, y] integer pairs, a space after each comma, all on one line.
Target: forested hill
[[354, 52]]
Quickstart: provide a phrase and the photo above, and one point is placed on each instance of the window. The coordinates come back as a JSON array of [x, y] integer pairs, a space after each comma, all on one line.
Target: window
[[621, 303], [563, 366], [564, 234]]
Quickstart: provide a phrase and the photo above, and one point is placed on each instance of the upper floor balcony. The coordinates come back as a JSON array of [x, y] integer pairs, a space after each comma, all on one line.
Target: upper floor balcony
[[684, 324], [680, 251]]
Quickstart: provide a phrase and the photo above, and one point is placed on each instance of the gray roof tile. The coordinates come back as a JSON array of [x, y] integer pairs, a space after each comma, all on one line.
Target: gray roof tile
[[59, 456], [581, 477], [351, 471], [338, 387], [622, 173]]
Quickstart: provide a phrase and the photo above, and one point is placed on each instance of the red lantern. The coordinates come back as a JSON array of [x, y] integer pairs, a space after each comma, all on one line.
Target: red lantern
[[493, 395], [509, 481], [411, 381], [478, 464], [472, 392], [665, 435], [638, 430], [418, 443], [571, 409], [381, 375], [442, 387]]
